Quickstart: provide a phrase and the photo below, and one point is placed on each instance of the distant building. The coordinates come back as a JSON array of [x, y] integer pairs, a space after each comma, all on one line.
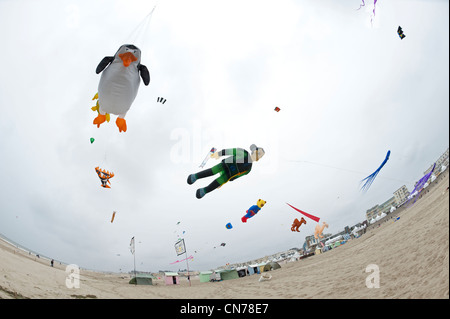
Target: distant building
[[380, 209], [372, 212], [401, 195], [311, 242], [386, 206], [441, 161]]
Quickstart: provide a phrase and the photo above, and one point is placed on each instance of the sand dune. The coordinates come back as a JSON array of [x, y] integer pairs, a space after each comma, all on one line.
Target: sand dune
[[412, 255]]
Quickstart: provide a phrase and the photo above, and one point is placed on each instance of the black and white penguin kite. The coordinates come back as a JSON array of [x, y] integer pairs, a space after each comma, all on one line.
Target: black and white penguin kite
[[119, 84]]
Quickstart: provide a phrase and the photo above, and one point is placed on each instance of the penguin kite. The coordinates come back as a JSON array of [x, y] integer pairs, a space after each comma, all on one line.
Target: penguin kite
[[119, 84]]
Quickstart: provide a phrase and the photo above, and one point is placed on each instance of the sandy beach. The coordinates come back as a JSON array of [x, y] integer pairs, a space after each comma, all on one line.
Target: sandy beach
[[412, 255]]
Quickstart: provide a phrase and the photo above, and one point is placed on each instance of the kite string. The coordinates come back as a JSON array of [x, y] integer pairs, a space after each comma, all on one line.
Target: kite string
[[140, 29], [344, 169]]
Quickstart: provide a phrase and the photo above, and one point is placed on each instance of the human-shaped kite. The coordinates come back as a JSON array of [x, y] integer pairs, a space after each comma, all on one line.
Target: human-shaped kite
[[239, 163]]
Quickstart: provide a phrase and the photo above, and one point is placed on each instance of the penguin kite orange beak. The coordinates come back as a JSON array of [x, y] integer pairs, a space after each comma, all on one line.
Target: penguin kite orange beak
[[127, 58]]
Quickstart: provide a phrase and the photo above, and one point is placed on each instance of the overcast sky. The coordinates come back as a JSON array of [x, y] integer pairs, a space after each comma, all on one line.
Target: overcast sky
[[348, 88]]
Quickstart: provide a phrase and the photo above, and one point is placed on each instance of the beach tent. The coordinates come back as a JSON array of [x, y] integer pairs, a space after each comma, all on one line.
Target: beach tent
[[226, 274], [261, 267], [142, 279], [271, 266], [242, 271], [205, 276], [275, 265], [253, 269], [171, 278], [267, 267]]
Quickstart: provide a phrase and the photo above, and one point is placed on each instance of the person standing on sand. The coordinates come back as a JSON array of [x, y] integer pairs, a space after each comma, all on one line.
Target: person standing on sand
[[52, 262]]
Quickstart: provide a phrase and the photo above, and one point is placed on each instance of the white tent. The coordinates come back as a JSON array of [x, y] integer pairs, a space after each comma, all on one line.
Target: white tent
[[393, 209], [295, 257], [433, 178], [443, 168], [332, 240]]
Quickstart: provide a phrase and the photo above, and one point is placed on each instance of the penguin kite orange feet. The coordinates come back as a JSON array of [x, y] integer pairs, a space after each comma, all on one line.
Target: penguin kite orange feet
[[99, 120], [121, 124]]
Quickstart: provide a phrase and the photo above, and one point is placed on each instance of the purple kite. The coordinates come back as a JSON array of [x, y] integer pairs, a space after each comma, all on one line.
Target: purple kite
[[369, 179], [420, 184], [374, 5], [361, 5]]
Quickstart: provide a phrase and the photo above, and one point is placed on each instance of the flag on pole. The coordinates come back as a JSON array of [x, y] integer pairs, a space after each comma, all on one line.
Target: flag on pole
[[132, 245]]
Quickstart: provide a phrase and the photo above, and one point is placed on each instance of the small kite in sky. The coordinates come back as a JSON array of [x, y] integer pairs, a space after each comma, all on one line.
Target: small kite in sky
[[228, 226], [400, 32], [113, 216], [92, 140], [161, 99], [369, 179], [361, 5], [374, 5], [314, 218], [178, 261], [277, 109], [104, 176]]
